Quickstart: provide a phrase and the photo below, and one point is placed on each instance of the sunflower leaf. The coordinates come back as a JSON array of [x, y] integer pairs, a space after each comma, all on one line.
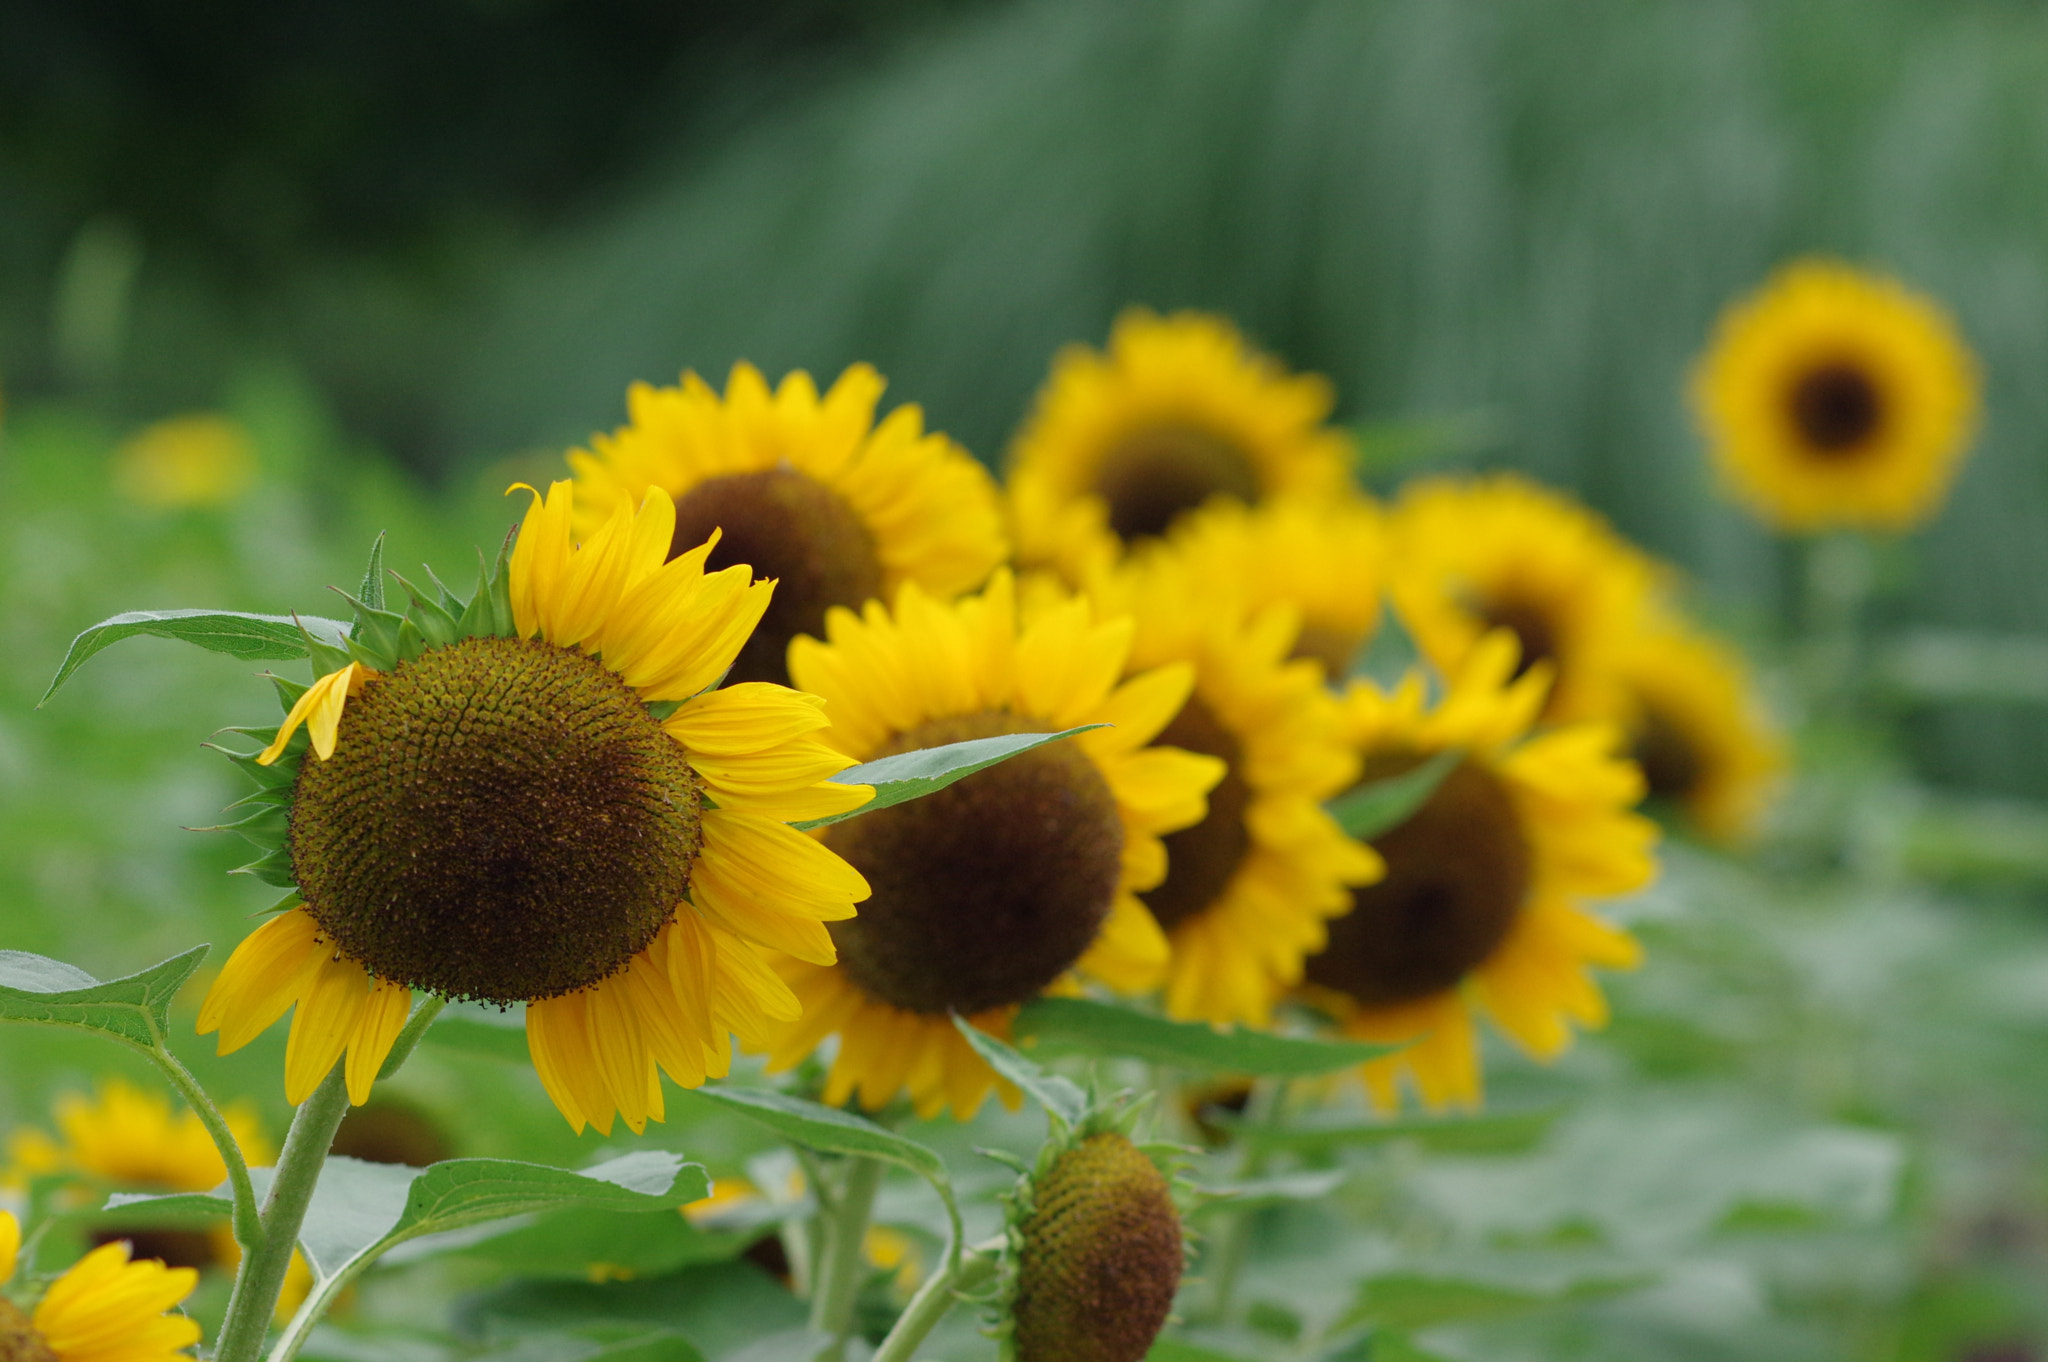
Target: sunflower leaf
[[134, 1008], [1380, 806], [1061, 1098], [1106, 1029], [1494, 1132], [913, 775], [236, 633], [827, 1129]]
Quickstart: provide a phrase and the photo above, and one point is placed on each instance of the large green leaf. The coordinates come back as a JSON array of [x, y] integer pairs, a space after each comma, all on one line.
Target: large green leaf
[[1055, 1094], [1173, 1350], [1383, 805], [1414, 1300], [1504, 1132], [1107, 1029], [660, 1345], [135, 1008], [913, 775], [826, 1129], [249, 637]]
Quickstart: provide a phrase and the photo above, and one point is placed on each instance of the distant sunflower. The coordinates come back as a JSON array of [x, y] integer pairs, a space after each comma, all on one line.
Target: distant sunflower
[[1500, 552], [1179, 411], [991, 891], [1246, 891], [1324, 558], [1480, 907], [1695, 729], [495, 809], [807, 490], [1833, 397], [103, 1309]]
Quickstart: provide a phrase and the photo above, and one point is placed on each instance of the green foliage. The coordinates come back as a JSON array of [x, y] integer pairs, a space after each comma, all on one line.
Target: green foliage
[[913, 775], [1384, 805], [234, 632], [134, 1009], [1108, 1029], [1061, 1099]]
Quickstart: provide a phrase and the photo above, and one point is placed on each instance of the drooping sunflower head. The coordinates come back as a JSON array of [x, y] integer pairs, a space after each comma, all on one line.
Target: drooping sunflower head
[[1179, 411], [534, 798], [990, 891], [1696, 730], [104, 1308], [1247, 889], [1472, 555], [1833, 397], [807, 490], [1481, 904], [1096, 1244]]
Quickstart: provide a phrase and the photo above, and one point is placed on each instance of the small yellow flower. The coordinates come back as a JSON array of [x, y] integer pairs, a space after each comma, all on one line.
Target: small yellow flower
[[104, 1309], [1834, 397], [184, 461]]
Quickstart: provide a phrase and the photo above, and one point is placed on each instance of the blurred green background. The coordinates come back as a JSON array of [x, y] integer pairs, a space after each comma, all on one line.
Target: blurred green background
[[418, 246]]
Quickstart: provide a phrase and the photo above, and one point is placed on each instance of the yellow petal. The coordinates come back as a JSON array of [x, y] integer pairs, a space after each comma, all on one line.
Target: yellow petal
[[319, 709], [261, 979], [10, 1244], [376, 1030], [331, 1003]]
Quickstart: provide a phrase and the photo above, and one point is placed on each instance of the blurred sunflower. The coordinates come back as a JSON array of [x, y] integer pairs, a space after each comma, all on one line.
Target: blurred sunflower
[[494, 811], [991, 891], [1833, 397], [1480, 906], [1695, 730], [1472, 555], [1245, 891], [1178, 411], [807, 490], [197, 460], [1326, 559], [103, 1309]]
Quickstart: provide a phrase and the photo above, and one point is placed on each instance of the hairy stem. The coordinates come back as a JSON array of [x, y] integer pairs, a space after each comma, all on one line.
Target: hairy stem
[[261, 1278], [247, 1226], [937, 1296], [839, 1266]]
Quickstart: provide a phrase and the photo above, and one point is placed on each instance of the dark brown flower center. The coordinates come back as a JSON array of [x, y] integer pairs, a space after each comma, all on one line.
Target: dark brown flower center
[[1836, 407], [989, 890], [1154, 473], [1335, 648], [1673, 765], [19, 1341], [501, 819], [1530, 624], [1200, 860], [387, 1130], [1458, 873], [792, 527], [171, 1247], [1101, 1257]]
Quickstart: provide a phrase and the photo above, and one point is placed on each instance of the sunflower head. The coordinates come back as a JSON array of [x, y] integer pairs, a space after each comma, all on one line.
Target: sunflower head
[[1833, 397], [1097, 1246], [1178, 412], [1695, 728], [534, 797], [808, 490], [102, 1307], [1480, 906], [1469, 556]]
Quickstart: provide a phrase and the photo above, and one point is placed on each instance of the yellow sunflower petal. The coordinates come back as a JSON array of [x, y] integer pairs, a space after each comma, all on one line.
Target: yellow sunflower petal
[[319, 709], [262, 979]]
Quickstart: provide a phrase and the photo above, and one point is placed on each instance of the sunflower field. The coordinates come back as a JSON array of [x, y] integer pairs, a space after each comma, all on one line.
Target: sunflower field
[[886, 681]]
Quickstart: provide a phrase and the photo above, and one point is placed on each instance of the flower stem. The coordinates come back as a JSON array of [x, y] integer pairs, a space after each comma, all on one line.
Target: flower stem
[[248, 1229], [1223, 1263], [261, 1278], [935, 1298], [839, 1267]]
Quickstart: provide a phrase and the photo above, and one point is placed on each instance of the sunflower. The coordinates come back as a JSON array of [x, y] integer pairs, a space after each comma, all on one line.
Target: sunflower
[[533, 798], [197, 460], [1248, 889], [807, 490], [994, 889], [103, 1309], [1695, 729], [1179, 411], [1480, 907], [1500, 552], [1832, 397], [1325, 558]]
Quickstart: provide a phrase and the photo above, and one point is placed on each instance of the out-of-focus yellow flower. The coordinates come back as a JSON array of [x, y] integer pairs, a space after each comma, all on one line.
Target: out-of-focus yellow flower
[[201, 459]]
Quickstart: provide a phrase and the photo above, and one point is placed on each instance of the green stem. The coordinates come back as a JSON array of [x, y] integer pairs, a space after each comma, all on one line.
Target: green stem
[[937, 1296], [1233, 1236], [248, 1228], [261, 1278], [839, 1268]]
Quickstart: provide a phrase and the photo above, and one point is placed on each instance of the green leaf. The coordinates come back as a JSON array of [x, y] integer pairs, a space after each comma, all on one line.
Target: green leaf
[[827, 1129], [1058, 1096], [1105, 1028], [135, 1008], [1413, 1300], [1277, 1190], [1508, 1132], [371, 593], [661, 1345], [723, 1308], [249, 637], [1383, 805], [1173, 1350], [462, 1192], [478, 1029], [913, 775]]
